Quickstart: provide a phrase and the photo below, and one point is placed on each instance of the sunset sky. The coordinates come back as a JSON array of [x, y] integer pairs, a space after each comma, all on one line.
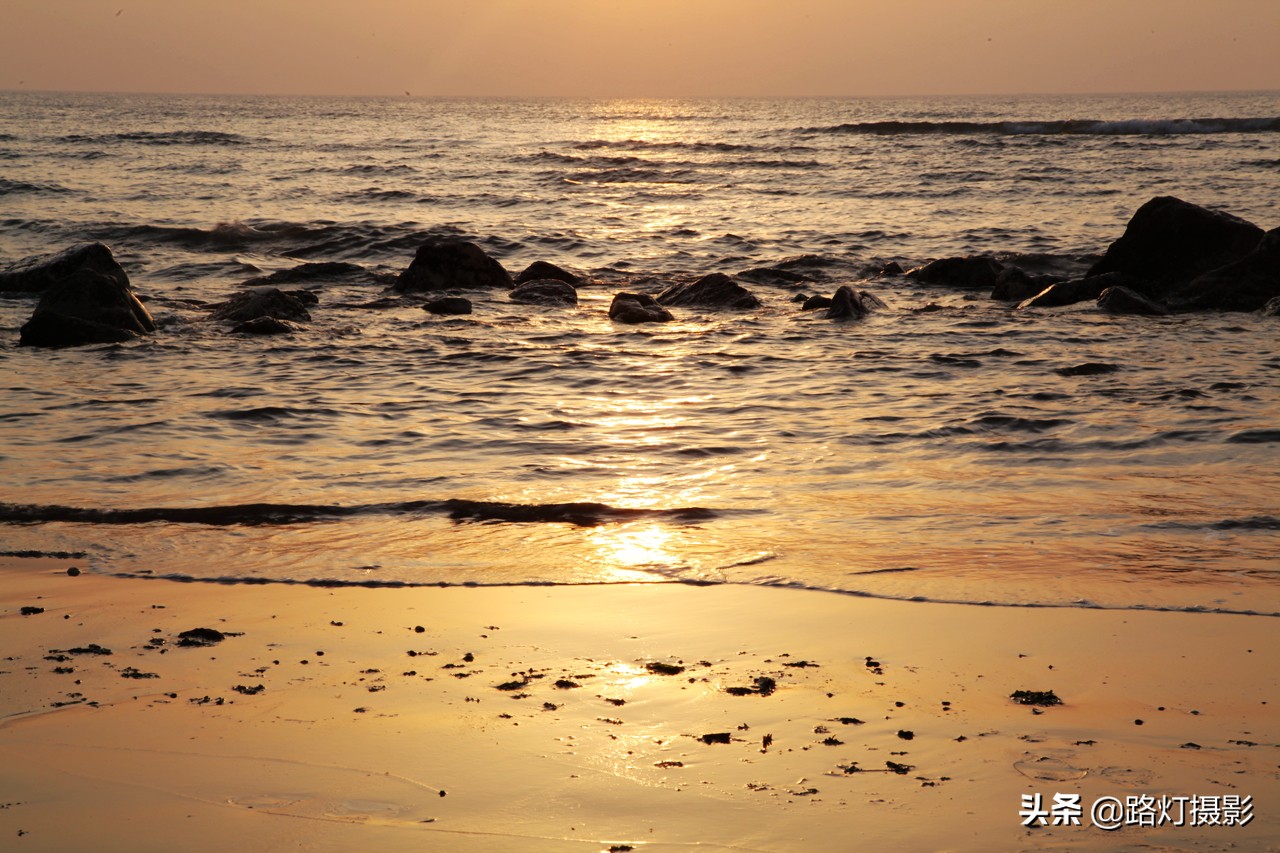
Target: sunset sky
[[630, 48]]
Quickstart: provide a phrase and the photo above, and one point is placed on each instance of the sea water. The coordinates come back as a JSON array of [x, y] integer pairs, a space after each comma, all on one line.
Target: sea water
[[934, 450]]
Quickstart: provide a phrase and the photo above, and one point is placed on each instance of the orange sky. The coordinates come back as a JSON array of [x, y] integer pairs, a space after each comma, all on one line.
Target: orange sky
[[628, 48]]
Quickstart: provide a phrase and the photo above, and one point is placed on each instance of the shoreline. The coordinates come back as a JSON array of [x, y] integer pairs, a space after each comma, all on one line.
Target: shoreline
[[553, 718]]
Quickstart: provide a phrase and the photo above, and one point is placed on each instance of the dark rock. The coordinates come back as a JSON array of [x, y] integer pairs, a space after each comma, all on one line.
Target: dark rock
[[716, 737], [660, 668], [452, 265], [544, 291], [762, 685], [637, 308], [974, 273], [1169, 242], [1245, 285], [815, 302], [1122, 300], [891, 268], [1042, 698], [1015, 285], [716, 290], [40, 272], [86, 308], [326, 272], [850, 304], [266, 326], [201, 637], [261, 302], [306, 297], [542, 271], [1272, 308], [773, 275], [448, 305], [1076, 290]]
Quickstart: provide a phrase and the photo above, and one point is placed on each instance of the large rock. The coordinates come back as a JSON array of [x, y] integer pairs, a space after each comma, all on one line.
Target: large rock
[[452, 265], [262, 302], [545, 291], [1245, 285], [1084, 289], [716, 290], [1169, 242], [850, 304], [1122, 300], [972, 273], [638, 308], [1272, 308], [86, 308], [542, 271], [40, 272]]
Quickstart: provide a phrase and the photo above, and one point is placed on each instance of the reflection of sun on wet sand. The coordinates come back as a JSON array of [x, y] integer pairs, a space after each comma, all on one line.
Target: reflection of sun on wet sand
[[655, 717]]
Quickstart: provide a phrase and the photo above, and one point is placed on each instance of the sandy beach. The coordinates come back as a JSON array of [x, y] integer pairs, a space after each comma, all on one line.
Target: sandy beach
[[628, 717]]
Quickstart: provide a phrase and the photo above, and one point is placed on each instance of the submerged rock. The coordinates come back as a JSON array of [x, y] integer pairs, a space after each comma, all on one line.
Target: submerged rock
[[637, 308], [86, 308], [326, 272], [850, 304], [1122, 300], [1076, 290], [544, 292], [1015, 285], [542, 271], [262, 302], [815, 302], [772, 275], [452, 265], [455, 305], [40, 272], [1272, 308], [1169, 242], [716, 290], [1244, 285], [971, 273], [266, 326]]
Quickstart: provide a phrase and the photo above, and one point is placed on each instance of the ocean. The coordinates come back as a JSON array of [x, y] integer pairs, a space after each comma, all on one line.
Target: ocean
[[932, 451]]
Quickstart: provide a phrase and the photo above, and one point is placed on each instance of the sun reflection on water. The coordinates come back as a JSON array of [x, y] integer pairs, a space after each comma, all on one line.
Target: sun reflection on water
[[633, 552]]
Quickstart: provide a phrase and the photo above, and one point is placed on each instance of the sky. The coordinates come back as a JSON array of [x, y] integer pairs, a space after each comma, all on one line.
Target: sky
[[639, 48]]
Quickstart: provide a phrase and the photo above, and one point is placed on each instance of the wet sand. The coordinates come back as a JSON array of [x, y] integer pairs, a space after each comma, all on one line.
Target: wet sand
[[653, 717]]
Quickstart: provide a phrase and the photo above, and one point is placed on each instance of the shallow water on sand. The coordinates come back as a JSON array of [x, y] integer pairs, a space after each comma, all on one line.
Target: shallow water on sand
[[933, 450]]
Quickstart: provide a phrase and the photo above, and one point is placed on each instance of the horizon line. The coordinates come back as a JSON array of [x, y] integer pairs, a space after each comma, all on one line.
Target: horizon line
[[409, 95]]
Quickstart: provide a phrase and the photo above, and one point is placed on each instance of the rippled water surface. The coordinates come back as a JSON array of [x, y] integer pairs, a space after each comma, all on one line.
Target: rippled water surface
[[933, 450]]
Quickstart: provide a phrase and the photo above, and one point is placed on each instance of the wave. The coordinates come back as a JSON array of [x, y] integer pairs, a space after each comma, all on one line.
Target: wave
[[577, 513], [10, 187], [1256, 522], [171, 137], [1076, 127], [331, 240], [777, 583]]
